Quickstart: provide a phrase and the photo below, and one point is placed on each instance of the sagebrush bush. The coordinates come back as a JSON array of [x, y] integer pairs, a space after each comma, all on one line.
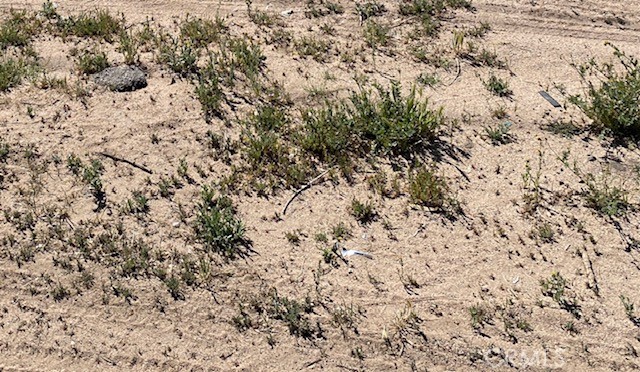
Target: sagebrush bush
[[612, 96]]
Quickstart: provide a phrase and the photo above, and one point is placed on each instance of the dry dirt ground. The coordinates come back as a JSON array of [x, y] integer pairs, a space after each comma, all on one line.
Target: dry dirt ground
[[440, 293]]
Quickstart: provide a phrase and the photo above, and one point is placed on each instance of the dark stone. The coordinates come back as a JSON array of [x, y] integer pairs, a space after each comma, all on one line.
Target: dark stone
[[121, 78]]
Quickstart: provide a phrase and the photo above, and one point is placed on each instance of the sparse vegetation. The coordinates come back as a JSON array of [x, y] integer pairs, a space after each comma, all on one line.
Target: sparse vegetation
[[613, 103], [217, 227], [498, 86]]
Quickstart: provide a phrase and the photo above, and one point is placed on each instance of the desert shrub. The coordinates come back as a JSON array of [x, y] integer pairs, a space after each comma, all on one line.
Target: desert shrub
[[202, 32], [217, 227], [12, 71], [18, 30], [612, 94], [92, 61], [97, 24], [383, 122]]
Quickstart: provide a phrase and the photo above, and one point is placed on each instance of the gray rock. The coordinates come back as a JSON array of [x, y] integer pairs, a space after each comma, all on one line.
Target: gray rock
[[121, 78]]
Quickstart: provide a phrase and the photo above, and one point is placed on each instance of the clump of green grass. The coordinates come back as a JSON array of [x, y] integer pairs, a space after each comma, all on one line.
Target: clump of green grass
[[341, 231], [92, 61], [388, 124], [323, 8], [480, 316], [202, 32], [428, 79], [544, 232], [604, 197], [555, 288], [138, 204], [90, 175], [309, 46], [18, 30], [96, 24], [209, 91], [611, 96], [128, 46], [369, 9], [12, 71], [363, 212], [217, 226], [498, 86], [429, 190], [499, 134], [376, 35], [180, 57], [429, 12]]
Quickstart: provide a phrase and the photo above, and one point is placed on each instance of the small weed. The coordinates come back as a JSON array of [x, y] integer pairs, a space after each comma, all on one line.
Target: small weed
[[555, 287], [430, 190], [363, 212], [98, 24], [129, 48], [544, 232], [293, 237], [376, 35], [498, 86], [200, 32], [629, 310], [308, 46], [428, 79], [369, 9], [499, 134], [92, 61], [217, 227], [12, 72], [480, 315], [341, 231], [613, 104], [138, 204]]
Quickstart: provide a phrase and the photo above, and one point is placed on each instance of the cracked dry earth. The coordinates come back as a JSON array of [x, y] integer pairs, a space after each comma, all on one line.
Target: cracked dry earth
[[439, 293]]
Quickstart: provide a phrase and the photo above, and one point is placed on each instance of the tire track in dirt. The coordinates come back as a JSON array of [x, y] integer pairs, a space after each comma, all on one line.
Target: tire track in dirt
[[580, 20]]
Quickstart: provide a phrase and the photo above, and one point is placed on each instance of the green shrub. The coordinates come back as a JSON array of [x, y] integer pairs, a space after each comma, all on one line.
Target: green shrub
[[12, 72], [92, 61], [217, 227], [18, 30], [390, 124], [612, 97], [97, 24]]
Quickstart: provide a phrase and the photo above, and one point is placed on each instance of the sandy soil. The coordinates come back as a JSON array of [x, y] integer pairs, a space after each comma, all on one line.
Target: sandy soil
[[486, 259]]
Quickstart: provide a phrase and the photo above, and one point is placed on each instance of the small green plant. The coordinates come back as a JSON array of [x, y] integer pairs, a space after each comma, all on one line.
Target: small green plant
[[341, 231], [201, 32], [428, 79], [480, 315], [209, 92], [12, 71], [555, 288], [363, 212], [611, 94], [499, 134], [217, 227], [544, 232], [97, 24], [369, 9], [138, 204], [18, 30], [129, 48], [317, 49], [178, 56], [430, 190], [376, 35], [498, 86], [604, 197], [293, 237], [92, 61]]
